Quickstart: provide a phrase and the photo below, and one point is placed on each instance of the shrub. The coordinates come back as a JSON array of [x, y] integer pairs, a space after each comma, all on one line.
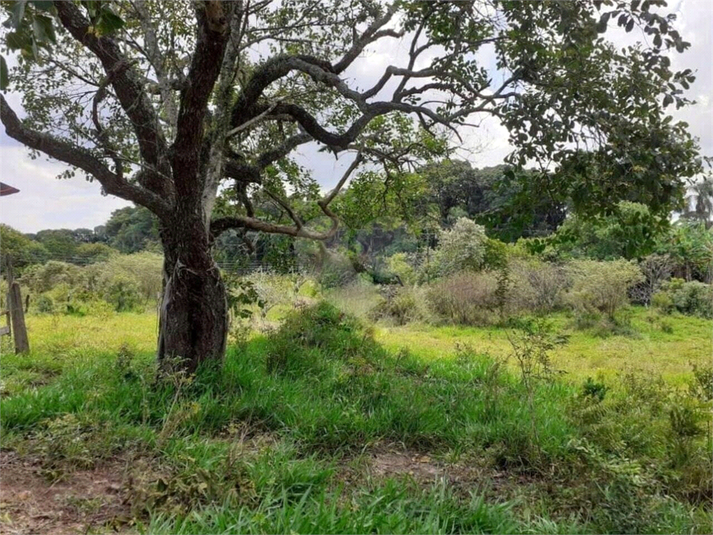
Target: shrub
[[466, 298], [662, 300], [144, 269], [656, 270], [694, 298], [601, 286], [123, 293], [308, 336], [44, 304], [495, 254], [461, 248], [337, 271], [399, 265], [272, 290], [537, 286], [43, 278], [358, 299], [401, 304]]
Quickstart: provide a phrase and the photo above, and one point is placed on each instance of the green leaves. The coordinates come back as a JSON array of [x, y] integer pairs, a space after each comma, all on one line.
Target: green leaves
[[17, 12], [108, 22], [43, 29], [32, 28]]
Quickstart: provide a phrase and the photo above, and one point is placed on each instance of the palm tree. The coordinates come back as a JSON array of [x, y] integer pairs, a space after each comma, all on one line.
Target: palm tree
[[699, 202]]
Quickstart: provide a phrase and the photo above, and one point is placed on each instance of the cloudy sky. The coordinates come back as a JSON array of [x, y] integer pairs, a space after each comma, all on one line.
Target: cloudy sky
[[47, 202]]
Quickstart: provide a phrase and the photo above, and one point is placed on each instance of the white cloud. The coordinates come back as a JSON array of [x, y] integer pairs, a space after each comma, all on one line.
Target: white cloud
[[46, 202]]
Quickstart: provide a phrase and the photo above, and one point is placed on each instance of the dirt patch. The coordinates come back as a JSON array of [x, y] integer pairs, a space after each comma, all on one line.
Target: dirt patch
[[463, 477], [85, 501], [420, 467]]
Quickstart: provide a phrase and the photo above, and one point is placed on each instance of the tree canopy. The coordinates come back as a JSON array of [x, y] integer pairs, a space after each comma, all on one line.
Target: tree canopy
[[164, 103]]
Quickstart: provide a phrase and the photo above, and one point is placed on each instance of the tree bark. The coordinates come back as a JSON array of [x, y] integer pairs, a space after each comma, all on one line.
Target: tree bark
[[193, 323]]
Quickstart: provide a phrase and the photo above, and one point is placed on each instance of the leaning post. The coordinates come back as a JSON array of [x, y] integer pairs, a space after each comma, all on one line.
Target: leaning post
[[17, 313]]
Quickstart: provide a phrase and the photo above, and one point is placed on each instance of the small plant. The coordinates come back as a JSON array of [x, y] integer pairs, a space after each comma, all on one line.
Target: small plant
[[531, 347], [594, 390], [242, 296], [662, 301], [702, 385], [124, 359]]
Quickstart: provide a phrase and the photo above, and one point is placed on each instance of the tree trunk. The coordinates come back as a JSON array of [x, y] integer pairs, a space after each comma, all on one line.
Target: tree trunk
[[193, 322]]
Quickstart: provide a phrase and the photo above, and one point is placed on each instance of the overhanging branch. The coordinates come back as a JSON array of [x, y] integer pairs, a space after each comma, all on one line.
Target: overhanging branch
[[81, 158]]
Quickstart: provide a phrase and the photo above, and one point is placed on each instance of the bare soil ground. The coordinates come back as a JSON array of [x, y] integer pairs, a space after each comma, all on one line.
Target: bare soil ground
[[83, 501]]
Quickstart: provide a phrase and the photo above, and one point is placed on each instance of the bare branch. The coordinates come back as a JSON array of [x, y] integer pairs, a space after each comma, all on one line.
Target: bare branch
[[81, 158], [128, 86]]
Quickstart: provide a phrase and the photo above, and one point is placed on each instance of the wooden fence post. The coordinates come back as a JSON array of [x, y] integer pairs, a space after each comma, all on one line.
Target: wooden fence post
[[17, 313]]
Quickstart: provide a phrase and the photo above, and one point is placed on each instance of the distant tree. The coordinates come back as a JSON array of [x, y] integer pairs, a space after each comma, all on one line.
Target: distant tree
[[175, 102], [461, 248], [90, 253], [131, 229], [20, 248], [630, 232], [690, 245], [698, 204], [508, 202], [61, 243]]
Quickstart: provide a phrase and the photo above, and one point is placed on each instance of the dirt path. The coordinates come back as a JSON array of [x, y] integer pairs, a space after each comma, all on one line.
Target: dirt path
[[85, 501]]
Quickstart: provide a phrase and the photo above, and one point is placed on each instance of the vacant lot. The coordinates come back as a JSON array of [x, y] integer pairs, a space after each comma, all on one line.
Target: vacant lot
[[324, 425]]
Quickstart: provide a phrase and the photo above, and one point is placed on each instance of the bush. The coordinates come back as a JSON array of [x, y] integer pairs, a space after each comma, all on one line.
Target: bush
[[123, 293], [144, 269], [601, 286], [337, 271], [272, 290], [307, 336], [399, 265], [43, 278], [44, 304], [466, 298], [656, 270], [695, 299], [662, 300], [537, 286], [461, 248], [400, 304]]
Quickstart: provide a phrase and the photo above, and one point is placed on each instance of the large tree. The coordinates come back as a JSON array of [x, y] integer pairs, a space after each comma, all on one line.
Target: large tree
[[164, 102]]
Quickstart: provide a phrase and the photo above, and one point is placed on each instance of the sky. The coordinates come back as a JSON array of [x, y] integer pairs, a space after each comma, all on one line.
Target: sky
[[45, 201]]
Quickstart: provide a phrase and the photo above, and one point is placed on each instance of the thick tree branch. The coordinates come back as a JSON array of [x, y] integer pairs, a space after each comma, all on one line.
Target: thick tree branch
[[81, 158], [250, 222], [371, 35], [128, 86], [213, 34]]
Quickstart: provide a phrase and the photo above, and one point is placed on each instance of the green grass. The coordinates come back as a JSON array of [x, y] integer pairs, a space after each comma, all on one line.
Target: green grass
[[284, 437], [649, 350]]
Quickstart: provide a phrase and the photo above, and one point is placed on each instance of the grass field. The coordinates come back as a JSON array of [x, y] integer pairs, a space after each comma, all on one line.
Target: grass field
[[648, 349], [325, 425], [59, 339]]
